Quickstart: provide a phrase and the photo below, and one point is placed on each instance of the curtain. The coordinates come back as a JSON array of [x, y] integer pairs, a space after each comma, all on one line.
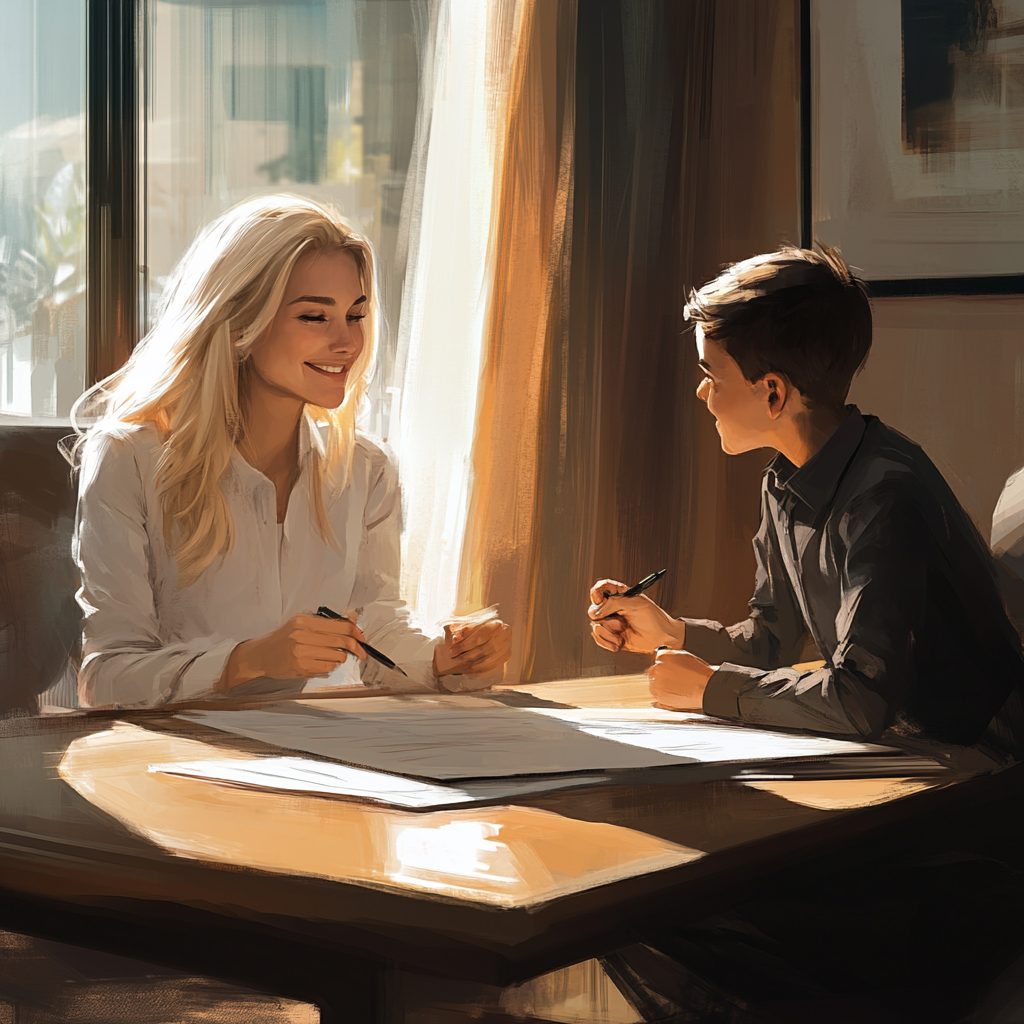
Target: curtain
[[647, 144], [469, 50], [526, 324]]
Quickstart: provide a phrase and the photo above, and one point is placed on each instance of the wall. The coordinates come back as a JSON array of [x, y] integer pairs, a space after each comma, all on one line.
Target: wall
[[949, 373]]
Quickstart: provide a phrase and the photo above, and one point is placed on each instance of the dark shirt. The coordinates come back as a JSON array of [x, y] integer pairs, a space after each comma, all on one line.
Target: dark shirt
[[866, 551]]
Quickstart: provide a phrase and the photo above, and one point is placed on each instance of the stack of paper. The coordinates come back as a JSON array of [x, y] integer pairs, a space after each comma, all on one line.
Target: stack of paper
[[303, 775], [460, 737]]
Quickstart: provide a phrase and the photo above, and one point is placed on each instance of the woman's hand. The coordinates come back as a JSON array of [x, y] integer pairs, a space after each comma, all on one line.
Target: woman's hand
[[304, 647], [630, 623], [678, 680], [473, 650]]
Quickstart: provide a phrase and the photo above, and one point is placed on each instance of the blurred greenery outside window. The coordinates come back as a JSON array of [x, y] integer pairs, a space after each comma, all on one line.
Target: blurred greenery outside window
[[317, 97], [42, 208]]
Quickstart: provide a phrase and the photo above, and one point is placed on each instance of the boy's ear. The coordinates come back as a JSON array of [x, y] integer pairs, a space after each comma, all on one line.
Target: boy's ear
[[777, 388]]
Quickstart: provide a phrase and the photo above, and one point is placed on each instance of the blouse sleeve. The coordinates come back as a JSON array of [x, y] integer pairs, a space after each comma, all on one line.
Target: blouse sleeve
[[385, 619], [125, 662]]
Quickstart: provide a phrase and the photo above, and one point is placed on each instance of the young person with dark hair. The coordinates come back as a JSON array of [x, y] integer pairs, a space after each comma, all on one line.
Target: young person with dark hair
[[863, 549]]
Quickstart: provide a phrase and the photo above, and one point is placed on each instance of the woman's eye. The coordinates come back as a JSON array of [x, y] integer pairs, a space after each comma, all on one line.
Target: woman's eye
[[313, 318], [355, 317]]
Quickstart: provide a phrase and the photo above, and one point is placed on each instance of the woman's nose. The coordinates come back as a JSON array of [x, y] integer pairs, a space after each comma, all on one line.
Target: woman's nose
[[702, 390], [348, 336]]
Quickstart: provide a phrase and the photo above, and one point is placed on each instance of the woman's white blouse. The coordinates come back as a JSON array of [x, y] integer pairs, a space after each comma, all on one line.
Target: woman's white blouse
[[147, 642]]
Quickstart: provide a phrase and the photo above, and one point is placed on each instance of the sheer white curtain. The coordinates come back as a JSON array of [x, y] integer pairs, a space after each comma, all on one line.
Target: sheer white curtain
[[448, 212]]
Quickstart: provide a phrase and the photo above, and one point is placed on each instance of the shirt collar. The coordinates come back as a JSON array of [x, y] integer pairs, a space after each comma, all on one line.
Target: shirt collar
[[816, 480], [310, 437]]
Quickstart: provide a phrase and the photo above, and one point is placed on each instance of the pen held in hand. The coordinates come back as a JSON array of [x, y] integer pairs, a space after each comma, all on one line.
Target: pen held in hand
[[326, 613], [639, 588]]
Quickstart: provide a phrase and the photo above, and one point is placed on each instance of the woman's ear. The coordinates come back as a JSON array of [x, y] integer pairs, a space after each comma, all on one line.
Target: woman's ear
[[778, 394]]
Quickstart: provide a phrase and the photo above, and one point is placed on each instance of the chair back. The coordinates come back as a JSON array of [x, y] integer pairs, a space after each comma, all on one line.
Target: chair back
[[40, 623], [1008, 546]]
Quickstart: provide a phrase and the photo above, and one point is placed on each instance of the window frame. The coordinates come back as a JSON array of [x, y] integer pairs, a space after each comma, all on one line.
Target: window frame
[[115, 92]]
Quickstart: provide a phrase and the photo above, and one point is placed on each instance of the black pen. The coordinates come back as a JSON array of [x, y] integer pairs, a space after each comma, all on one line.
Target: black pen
[[639, 588], [326, 613]]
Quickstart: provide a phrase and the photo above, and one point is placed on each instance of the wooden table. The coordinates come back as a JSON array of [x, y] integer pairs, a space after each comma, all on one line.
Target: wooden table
[[314, 897]]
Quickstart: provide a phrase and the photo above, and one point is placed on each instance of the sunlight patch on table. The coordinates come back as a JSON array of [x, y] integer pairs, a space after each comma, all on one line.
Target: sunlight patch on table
[[503, 856], [842, 794]]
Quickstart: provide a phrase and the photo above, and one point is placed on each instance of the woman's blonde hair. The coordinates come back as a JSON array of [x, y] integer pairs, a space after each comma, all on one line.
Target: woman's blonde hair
[[187, 376]]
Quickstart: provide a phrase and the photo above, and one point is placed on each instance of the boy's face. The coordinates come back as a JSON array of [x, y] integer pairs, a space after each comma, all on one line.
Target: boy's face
[[741, 409]]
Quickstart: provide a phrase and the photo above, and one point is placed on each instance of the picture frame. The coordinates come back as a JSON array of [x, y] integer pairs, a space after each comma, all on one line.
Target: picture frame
[[913, 141]]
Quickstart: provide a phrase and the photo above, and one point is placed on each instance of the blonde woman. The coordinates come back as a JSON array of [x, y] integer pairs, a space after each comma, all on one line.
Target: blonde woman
[[225, 493]]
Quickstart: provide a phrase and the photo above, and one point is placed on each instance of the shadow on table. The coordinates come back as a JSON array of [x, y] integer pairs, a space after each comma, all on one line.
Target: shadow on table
[[44, 982]]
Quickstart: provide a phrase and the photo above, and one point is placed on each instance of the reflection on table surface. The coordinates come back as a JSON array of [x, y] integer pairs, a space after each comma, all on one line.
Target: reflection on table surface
[[504, 856], [599, 692]]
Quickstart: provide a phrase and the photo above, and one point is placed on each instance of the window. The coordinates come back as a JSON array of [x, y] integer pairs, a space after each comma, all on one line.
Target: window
[[42, 209], [194, 106]]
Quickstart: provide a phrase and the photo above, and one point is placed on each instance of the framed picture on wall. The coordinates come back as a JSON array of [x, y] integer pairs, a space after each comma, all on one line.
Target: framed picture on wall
[[917, 141]]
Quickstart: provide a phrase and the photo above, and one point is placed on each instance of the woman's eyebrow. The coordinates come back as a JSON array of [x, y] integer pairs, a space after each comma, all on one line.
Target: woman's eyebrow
[[322, 300], [704, 366]]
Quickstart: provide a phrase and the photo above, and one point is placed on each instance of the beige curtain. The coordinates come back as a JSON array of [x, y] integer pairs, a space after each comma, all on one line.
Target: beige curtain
[[452, 199], [529, 251]]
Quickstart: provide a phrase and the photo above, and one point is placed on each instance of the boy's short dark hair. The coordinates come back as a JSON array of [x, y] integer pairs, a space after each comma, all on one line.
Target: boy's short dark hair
[[794, 312]]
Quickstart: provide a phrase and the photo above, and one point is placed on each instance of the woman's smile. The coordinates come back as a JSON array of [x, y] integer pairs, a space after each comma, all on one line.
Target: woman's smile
[[330, 370]]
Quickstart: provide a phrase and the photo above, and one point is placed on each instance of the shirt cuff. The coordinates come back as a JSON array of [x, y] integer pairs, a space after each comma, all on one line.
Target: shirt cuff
[[419, 675], [417, 679], [458, 683], [709, 640], [204, 672], [726, 684]]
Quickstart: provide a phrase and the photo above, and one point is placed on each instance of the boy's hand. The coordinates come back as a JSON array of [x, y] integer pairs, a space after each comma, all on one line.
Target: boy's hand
[[678, 680], [630, 623]]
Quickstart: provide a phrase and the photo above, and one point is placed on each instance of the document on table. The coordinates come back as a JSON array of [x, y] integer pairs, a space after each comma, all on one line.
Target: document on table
[[447, 738], [324, 778]]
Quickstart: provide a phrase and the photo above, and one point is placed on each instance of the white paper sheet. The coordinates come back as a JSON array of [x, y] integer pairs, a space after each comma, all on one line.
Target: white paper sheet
[[696, 739], [301, 775], [460, 737]]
